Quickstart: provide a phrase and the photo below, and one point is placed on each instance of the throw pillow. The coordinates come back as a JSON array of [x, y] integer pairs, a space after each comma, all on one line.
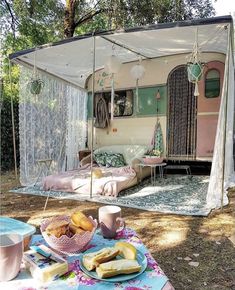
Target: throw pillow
[[100, 159], [115, 160]]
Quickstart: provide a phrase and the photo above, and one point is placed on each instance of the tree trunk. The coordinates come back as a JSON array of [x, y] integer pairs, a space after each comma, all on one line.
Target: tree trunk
[[69, 19]]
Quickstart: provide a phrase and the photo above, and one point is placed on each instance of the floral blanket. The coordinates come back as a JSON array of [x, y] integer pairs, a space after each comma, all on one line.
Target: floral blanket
[[113, 180], [152, 278]]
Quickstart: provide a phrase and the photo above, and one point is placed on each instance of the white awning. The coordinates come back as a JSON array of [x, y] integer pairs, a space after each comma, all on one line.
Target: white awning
[[72, 59]]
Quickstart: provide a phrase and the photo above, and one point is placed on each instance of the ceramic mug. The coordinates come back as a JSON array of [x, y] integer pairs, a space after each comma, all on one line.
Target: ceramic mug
[[110, 220], [11, 253]]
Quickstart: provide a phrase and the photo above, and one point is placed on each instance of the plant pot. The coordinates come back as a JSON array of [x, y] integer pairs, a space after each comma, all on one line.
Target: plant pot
[[35, 86], [195, 71]]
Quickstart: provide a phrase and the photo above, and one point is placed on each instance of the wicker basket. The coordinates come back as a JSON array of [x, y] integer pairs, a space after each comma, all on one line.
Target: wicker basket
[[65, 244]]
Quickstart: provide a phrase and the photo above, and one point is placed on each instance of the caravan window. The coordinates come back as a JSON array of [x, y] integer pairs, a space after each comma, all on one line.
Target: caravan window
[[212, 84], [123, 102]]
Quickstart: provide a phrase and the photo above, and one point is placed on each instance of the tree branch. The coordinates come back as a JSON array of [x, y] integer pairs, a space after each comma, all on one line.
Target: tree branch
[[14, 21], [87, 17]]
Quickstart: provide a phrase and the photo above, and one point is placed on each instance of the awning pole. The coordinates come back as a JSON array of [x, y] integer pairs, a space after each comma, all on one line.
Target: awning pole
[[12, 119], [92, 113]]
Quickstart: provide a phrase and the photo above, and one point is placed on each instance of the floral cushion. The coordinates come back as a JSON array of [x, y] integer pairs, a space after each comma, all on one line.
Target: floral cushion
[[100, 158], [115, 160]]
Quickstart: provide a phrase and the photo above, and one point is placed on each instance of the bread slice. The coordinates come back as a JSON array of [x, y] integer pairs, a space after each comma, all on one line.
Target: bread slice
[[92, 260], [117, 267]]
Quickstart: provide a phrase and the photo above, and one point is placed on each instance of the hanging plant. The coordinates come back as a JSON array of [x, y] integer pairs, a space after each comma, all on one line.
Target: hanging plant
[[195, 71], [195, 66], [35, 86]]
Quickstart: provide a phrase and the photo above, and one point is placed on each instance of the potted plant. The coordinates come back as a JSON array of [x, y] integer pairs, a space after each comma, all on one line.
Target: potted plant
[[195, 71], [153, 156], [35, 86]]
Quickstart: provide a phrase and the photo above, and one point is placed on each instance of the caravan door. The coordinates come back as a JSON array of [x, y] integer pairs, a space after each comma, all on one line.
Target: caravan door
[[181, 120]]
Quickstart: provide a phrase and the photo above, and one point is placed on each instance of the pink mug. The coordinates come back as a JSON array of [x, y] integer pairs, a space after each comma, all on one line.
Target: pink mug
[[11, 253], [110, 220]]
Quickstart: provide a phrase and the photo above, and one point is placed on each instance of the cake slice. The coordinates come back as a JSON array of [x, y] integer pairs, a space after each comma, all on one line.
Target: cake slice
[[92, 260], [117, 267]]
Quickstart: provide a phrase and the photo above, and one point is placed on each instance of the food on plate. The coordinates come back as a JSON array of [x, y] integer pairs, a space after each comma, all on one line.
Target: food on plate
[[93, 259], [117, 267], [79, 219], [57, 228], [75, 230], [127, 250]]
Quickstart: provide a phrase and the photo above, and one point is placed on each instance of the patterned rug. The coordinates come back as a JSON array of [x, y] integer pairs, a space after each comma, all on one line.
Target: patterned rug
[[174, 194]]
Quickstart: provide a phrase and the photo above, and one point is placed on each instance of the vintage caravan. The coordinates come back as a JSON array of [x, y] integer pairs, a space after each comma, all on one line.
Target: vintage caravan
[[165, 94]]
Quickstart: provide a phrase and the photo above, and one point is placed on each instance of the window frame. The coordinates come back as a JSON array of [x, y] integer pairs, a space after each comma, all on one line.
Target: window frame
[[107, 97], [217, 79]]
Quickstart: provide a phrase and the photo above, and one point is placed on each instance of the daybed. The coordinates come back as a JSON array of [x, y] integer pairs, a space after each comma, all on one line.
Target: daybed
[[119, 166]]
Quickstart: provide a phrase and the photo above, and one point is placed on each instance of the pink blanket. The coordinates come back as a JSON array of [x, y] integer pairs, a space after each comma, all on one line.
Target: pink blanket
[[113, 180]]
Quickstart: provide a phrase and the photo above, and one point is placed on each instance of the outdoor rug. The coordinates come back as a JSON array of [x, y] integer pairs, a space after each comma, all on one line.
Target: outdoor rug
[[176, 194]]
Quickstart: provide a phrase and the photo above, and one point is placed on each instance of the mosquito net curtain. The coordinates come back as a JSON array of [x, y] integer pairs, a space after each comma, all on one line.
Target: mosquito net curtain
[[222, 170], [52, 125]]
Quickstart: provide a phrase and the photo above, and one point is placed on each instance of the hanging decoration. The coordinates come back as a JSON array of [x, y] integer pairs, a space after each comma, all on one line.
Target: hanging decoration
[[113, 66], [158, 96], [137, 72], [35, 84], [195, 66], [158, 144]]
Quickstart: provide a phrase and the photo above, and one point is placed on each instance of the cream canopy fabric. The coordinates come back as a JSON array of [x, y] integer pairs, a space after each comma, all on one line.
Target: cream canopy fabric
[[72, 59]]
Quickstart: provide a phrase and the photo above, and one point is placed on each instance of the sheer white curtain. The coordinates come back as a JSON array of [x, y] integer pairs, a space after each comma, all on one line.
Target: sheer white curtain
[[222, 169], [51, 125], [76, 126]]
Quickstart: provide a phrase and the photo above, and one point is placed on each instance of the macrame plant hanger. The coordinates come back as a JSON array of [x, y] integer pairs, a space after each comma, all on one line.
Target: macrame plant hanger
[[195, 66], [35, 84]]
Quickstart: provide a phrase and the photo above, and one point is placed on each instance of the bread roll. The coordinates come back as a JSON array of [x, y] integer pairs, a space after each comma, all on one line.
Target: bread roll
[[76, 230], [80, 220], [117, 267], [92, 260], [57, 228]]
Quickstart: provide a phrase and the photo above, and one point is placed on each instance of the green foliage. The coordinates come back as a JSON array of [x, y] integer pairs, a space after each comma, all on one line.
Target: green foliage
[[26, 24], [7, 153], [116, 14]]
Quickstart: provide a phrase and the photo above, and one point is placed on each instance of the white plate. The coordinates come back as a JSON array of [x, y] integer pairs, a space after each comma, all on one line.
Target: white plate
[[119, 278]]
